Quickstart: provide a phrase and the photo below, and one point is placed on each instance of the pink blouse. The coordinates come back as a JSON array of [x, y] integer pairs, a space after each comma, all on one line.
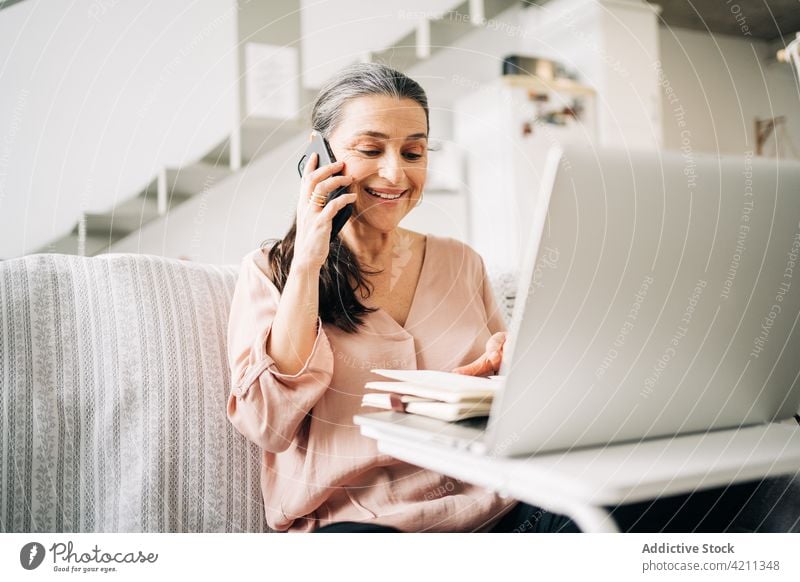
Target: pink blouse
[[317, 467]]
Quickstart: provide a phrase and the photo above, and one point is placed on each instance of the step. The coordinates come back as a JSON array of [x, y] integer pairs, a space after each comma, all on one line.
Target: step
[[402, 55], [194, 178], [259, 136], [123, 219], [105, 228], [492, 8], [448, 29], [128, 215], [439, 33], [69, 245]]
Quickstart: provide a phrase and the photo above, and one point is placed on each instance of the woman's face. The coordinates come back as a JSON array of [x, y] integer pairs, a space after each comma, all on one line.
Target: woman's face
[[383, 142]]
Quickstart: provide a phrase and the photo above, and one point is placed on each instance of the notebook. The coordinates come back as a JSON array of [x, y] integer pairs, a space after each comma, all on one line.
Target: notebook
[[442, 395]]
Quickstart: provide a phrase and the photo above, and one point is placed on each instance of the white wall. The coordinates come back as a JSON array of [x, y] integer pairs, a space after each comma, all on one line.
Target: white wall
[[95, 96], [717, 85]]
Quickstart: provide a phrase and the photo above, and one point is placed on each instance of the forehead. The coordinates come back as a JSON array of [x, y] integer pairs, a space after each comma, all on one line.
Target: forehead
[[397, 118]]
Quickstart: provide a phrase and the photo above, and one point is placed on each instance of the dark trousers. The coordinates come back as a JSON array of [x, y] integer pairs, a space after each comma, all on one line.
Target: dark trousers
[[770, 505], [522, 518]]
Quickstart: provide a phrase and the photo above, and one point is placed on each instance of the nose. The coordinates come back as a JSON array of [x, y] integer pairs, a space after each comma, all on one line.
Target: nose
[[391, 168]]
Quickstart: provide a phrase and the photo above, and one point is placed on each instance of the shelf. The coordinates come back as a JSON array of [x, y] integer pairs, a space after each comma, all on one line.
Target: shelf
[[540, 85]]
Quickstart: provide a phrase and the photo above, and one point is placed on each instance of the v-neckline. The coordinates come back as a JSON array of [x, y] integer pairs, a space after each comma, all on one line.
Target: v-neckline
[[422, 271]]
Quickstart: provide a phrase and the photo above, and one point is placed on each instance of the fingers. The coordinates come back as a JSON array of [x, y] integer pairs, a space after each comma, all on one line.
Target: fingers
[[327, 186], [314, 221], [317, 175], [489, 363], [302, 199], [311, 165], [496, 342], [318, 185], [495, 360], [483, 366], [337, 204]]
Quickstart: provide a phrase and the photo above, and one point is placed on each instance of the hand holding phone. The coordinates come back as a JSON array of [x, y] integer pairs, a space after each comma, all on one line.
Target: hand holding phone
[[321, 147]]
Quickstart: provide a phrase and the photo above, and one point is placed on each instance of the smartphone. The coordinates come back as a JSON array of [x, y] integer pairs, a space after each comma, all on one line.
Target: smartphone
[[322, 148]]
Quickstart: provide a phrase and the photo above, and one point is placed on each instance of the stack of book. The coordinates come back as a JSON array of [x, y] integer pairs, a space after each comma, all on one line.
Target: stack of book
[[441, 395]]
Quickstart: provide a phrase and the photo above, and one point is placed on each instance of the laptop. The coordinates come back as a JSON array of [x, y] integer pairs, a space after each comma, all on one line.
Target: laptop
[[659, 296]]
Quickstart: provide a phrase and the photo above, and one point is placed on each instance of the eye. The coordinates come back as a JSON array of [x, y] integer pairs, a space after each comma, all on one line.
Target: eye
[[412, 156], [370, 153]]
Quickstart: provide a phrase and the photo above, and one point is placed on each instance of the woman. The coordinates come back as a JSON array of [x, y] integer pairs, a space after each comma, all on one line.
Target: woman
[[310, 318]]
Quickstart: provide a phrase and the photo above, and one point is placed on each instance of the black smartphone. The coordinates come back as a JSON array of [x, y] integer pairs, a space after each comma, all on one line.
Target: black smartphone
[[320, 146]]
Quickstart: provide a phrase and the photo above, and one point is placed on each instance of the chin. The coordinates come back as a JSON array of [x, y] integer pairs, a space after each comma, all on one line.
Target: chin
[[379, 218], [385, 227]]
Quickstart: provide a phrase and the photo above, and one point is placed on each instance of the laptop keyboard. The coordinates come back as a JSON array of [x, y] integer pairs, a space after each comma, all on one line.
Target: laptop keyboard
[[478, 422]]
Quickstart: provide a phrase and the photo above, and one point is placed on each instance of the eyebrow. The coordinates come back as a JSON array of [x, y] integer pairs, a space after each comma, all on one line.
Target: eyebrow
[[380, 135]]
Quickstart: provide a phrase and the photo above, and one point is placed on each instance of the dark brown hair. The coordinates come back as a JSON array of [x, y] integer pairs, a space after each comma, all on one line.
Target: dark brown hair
[[342, 275]]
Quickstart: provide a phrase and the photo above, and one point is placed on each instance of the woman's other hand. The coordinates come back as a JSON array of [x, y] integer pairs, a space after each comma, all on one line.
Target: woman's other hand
[[489, 363], [314, 222]]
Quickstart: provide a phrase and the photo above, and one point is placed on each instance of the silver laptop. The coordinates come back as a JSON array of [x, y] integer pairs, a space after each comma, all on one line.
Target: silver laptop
[[660, 295]]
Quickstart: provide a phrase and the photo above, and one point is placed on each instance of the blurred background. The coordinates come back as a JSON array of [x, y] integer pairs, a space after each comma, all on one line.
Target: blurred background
[[175, 128]]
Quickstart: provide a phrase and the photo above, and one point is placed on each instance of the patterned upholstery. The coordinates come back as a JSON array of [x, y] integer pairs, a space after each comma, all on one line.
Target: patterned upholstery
[[113, 384], [504, 284], [112, 405]]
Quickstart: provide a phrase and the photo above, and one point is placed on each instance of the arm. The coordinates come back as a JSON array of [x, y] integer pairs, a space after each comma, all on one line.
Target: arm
[[268, 404], [294, 329], [281, 360]]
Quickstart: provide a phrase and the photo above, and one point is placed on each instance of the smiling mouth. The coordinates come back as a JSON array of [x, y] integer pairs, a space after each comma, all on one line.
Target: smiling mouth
[[384, 195]]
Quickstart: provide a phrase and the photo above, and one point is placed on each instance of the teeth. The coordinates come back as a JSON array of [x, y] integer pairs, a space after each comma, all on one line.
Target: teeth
[[384, 196]]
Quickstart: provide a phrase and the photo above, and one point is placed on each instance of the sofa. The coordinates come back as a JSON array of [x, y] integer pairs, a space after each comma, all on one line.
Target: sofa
[[114, 382], [113, 388]]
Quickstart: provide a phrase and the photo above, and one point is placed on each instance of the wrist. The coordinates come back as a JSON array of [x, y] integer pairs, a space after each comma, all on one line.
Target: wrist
[[304, 269]]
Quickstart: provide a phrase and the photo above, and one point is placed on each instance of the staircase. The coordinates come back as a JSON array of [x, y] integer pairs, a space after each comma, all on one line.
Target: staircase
[[8, 3], [96, 232]]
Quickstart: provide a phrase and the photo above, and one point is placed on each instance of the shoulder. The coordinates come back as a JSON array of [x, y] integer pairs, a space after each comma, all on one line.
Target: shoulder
[[256, 259], [456, 254], [255, 267]]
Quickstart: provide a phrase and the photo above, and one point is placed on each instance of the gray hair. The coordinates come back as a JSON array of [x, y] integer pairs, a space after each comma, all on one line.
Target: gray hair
[[361, 80]]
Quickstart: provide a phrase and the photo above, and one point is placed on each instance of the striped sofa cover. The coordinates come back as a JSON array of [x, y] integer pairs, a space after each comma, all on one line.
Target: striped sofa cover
[[113, 384]]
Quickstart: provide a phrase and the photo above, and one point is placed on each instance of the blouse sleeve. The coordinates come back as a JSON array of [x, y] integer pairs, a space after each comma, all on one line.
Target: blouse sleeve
[[494, 315], [265, 405]]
